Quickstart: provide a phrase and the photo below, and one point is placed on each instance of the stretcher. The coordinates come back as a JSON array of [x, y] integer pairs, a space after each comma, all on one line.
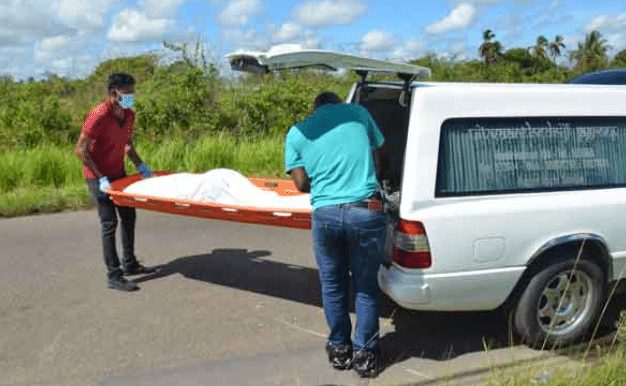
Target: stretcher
[[300, 219]]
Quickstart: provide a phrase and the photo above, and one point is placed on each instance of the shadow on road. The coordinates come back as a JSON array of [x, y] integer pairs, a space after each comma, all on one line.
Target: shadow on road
[[430, 335], [249, 271], [441, 336]]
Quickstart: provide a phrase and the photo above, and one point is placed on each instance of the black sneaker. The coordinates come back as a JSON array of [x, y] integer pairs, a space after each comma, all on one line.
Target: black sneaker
[[119, 283], [139, 269], [339, 356], [366, 363]]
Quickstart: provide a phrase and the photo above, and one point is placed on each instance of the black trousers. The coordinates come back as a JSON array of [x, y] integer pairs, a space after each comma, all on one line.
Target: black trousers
[[108, 220]]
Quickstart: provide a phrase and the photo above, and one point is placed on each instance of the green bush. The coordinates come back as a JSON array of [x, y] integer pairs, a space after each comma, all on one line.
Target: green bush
[[191, 119]]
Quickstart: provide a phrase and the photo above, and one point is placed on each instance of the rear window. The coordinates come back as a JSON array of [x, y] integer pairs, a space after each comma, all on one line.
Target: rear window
[[509, 155]]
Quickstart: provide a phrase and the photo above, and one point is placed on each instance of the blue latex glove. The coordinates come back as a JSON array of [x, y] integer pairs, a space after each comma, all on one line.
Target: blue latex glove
[[144, 170], [104, 184]]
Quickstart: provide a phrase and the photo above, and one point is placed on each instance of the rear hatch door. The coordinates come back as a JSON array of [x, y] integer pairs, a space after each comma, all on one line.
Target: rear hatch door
[[292, 58]]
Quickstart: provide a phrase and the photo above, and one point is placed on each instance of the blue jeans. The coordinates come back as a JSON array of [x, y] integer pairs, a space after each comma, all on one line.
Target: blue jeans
[[347, 240]]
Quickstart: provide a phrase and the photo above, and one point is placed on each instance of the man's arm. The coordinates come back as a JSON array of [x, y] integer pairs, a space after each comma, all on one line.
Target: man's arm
[[131, 152], [82, 152], [301, 179], [381, 162]]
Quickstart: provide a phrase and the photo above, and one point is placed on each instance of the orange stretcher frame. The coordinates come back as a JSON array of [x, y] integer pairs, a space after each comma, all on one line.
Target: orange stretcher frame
[[300, 219]]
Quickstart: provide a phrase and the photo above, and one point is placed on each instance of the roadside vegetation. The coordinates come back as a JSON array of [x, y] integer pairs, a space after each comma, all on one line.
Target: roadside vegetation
[[602, 365], [190, 118]]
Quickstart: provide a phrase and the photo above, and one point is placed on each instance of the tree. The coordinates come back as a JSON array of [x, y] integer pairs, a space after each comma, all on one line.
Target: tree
[[539, 49], [522, 58], [490, 50], [141, 67], [555, 46], [619, 60], [591, 55]]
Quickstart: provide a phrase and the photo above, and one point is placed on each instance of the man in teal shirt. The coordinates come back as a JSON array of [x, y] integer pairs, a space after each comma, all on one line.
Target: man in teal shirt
[[335, 155]]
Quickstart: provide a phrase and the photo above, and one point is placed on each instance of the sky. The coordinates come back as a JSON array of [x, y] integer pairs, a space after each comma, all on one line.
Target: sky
[[70, 37]]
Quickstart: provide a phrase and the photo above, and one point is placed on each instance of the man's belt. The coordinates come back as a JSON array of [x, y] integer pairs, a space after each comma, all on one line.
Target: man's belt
[[374, 204]]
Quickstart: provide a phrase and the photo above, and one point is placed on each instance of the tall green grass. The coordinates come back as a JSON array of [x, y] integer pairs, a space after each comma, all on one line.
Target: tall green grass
[[44, 166], [605, 366], [49, 178], [260, 157]]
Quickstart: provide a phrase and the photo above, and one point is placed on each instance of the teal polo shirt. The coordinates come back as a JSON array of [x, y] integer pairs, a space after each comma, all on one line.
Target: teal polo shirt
[[334, 146]]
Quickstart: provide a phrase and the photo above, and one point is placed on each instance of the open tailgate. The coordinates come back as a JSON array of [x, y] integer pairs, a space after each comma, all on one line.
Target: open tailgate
[[293, 58]]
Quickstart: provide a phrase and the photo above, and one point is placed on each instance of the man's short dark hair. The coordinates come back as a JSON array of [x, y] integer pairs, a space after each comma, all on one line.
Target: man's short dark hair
[[120, 80], [325, 98]]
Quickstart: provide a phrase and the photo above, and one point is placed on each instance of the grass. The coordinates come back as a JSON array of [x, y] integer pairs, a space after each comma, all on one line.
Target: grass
[[46, 199], [42, 167], [606, 366], [259, 157], [49, 178], [602, 363], [608, 369]]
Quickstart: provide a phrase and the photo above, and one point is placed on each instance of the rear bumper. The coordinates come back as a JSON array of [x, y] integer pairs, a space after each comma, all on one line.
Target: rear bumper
[[457, 291]]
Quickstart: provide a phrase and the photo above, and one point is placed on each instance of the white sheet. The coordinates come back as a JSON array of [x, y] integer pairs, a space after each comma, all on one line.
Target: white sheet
[[223, 186]]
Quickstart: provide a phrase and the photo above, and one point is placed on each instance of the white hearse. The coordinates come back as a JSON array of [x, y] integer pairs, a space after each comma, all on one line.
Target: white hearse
[[507, 196]]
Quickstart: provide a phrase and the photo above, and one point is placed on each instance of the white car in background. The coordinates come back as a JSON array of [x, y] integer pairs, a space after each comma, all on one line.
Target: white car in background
[[501, 195]]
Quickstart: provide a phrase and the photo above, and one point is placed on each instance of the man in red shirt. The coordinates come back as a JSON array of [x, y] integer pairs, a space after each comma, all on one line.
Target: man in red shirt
[[105, 139]]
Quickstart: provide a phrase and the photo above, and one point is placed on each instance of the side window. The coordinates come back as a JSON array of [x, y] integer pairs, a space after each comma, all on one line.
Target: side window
[[507, 155]]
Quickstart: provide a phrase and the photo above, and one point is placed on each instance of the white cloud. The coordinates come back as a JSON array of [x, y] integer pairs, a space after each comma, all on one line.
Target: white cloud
[[49, 47], [377, 41], [83, 13], [604, 22], [460, 17], [160, 8], [287, 32], [479, 3], [409, 50], [55, 43], [294, 33], [329, 12], [245, 39], [239, 12], [22, 23], [311, 41], [134, 26], [16, 61], [612, 28]]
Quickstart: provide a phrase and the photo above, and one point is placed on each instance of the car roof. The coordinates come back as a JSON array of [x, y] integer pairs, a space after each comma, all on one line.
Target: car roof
[[480, 86], [606, 77]]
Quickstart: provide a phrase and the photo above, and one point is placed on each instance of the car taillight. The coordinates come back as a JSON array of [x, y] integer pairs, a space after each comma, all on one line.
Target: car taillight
[[411, 249]]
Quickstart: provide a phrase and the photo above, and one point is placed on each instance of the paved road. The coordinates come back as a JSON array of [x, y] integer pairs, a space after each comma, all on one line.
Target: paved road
[[232, 304]]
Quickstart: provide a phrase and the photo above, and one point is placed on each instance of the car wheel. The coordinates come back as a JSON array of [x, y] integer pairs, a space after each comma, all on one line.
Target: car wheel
[[560, 304]]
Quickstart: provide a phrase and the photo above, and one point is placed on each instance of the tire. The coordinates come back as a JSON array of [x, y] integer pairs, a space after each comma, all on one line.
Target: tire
[[539, 320]]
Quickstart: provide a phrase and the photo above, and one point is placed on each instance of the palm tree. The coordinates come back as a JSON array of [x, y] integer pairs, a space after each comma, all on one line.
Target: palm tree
[[539, 49], [619, 60], [592, 53], [555, 47], [490, 50]]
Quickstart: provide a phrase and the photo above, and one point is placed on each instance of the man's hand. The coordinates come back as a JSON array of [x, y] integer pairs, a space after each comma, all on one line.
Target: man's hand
[[144, 170], [104, 184], [301, 179]]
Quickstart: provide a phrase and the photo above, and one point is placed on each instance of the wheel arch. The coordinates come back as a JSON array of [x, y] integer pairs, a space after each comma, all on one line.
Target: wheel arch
[[570, 244]]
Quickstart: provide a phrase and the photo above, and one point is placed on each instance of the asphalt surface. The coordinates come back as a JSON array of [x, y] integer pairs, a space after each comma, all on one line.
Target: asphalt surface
[[231, 304]]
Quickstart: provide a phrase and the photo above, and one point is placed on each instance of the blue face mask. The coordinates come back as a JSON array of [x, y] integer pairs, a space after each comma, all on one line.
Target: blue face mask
[[126, 101]]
